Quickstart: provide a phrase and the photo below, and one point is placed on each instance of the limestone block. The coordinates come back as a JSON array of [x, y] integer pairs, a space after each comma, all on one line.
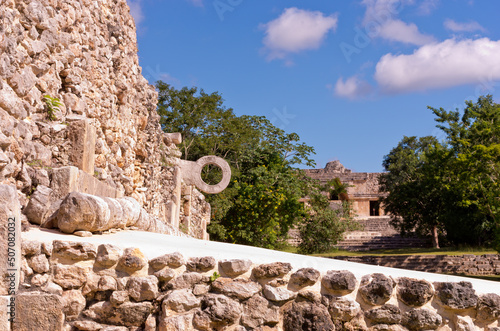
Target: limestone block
[[271, 270], [219, 311], [387, 314], [278, 294], [240, 289], [143, 288], [127, 314], [38, 311], [343, 308], [307, 316], [10, 102], [341, 281], [180, 301], [376, 289], [258, 311], [201, 264], [414, 292], [235, 267], [173, 260], [421, 319], [38, 205], [83, 138], [456, 296], [10, 239], [305, 277], [76, 251]]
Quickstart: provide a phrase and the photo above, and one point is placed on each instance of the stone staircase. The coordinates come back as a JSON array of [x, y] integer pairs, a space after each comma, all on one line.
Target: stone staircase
[[378, 234]]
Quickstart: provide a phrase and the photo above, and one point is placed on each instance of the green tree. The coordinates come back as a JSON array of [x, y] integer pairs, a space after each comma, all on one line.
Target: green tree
[[473, 137], [451, 187], [415, 183], [261, 202], [323, 227]]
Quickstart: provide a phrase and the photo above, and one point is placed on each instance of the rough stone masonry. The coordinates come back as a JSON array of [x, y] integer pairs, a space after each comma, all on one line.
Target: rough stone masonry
[[100, 161], [84, 53]]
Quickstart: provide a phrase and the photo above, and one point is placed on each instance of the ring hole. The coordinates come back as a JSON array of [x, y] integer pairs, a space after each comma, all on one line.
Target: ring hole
[[211, 174]]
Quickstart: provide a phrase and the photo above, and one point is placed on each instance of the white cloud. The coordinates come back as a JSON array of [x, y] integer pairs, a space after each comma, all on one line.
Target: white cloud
[[463, 27], [352, 87], [397, 30], [296, 30], [440, 65], [380, 20], [381, 11], [427, 6], [136, 11]]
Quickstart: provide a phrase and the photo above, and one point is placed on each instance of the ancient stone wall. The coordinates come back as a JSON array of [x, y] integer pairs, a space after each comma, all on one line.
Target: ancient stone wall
[[468, 264], [78, 286], [84, 54]]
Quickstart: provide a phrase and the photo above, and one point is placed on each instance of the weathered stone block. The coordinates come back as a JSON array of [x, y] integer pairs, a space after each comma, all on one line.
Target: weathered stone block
[[414, 292], [307, 316], [143, 288], [235, 267], [421, 319], [340, 281], [38, 311], [201, 264], [258, 311], [305, 277], [343, 308], [271, 270], [387, 314], [77, 251], [376, 289], [240, 288], [456, 296], [83, 137], [10, 239]]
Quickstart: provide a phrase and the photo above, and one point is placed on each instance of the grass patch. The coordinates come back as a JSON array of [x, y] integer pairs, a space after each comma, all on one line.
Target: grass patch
[[414, 251]]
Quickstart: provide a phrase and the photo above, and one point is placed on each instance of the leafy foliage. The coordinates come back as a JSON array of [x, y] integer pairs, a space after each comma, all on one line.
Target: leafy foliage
[[52, 105], [324, 226], [451, 187], [261, 202]]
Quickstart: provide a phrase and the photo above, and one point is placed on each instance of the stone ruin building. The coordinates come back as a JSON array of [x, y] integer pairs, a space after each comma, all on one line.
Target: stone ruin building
[[363, 188], [364, 193], [101, 222]]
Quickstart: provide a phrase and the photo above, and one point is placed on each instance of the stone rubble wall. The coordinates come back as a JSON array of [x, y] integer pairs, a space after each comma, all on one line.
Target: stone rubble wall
[[78, 286], [468, 264], [84, 53]]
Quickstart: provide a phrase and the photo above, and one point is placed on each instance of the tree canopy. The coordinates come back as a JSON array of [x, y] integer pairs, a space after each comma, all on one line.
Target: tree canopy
[[261, 202], [449, 188]]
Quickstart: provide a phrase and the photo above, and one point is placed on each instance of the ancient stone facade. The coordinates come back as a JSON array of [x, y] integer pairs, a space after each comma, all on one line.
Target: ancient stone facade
[[80, 286], [83, 54], [363, 187]]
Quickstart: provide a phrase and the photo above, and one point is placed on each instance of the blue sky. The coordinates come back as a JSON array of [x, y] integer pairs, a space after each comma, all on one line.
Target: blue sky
[[350, 77]]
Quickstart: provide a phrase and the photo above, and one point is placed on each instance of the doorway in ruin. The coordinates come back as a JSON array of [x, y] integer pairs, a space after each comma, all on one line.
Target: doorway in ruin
[[375, 208]]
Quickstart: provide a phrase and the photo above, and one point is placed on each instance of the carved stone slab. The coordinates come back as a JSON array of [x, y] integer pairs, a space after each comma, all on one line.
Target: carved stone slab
[[191, 173]]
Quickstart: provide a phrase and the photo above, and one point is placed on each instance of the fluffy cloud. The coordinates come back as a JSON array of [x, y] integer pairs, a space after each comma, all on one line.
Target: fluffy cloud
[[440, 65], [463, 27], [397, 30], [296, 30], [381, 20], [352, 87]]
